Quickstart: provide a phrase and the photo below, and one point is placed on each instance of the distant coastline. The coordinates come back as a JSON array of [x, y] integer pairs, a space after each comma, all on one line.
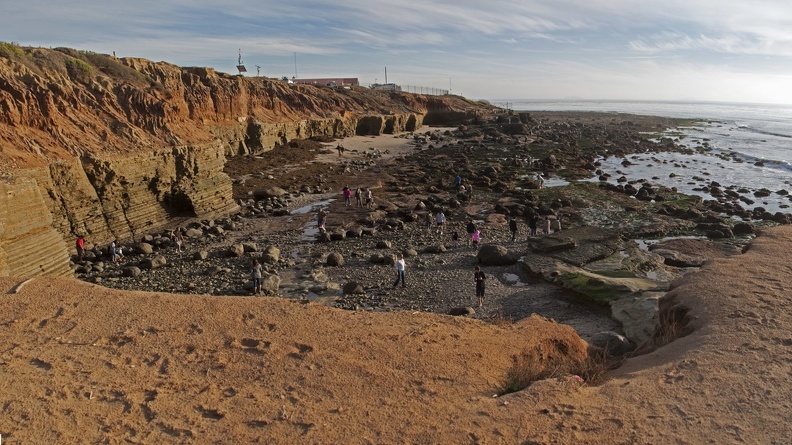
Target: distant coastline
[[748, 146]]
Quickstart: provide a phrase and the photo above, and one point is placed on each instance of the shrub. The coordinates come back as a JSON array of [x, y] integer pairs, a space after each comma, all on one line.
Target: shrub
[[112, 67], [11, 51], [78, 69], [546, 361]]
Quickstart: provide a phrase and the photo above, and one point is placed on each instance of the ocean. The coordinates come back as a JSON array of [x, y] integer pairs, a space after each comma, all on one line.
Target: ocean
[[740, 135]]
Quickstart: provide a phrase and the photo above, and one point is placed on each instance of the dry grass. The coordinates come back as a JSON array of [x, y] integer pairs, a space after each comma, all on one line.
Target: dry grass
[[499, 319], [547, 361], [673, 322]]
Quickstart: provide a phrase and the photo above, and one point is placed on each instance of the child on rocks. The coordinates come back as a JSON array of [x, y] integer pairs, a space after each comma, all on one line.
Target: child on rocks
[[475, 238]]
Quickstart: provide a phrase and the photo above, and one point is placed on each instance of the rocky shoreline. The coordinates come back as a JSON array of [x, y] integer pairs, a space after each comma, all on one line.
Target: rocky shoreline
[[591, 275]]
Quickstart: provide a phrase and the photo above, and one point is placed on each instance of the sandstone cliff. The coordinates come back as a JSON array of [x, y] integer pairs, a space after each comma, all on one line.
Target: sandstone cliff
[[111, 148]]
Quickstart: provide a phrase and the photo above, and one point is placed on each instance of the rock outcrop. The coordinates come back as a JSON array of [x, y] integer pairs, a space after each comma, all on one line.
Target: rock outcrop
[[112, 148], [28, 243]]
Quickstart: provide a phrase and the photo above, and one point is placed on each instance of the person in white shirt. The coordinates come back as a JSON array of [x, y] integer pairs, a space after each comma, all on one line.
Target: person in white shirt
[[440, 220], [400, 266]]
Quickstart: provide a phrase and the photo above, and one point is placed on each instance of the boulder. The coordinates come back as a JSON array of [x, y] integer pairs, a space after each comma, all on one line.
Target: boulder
[[236, 250], [269, 192], [637, 315], [215, 270], [338, 236], [335, 259], [744, 228], [201, 255], [410, 252], [377, 258], [271, 255], [153, 263], [679, 259], [495, 255], [353, 287], [250, 247], [355, 232], [194, 233], [270, 284], [437, 248], [145, 248], [384, 244], [131, 271], [461, 311]]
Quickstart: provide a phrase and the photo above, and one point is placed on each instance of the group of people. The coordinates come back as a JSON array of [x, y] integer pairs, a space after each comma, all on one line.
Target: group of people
[[463, 187], [549, 224], [177, 237], [363, 198], [114, 250]]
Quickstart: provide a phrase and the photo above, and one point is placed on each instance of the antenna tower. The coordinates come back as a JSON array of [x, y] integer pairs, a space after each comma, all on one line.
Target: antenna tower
[[240, 67]]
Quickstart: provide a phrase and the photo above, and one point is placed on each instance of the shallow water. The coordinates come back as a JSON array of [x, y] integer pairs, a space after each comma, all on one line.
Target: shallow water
[[743, 131]]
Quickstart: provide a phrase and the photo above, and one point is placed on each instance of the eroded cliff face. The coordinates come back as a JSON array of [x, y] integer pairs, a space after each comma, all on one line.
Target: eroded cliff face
[[29, 245], [112, 148]]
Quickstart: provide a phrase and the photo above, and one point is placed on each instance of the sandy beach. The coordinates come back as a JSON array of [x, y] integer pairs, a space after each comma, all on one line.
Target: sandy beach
[[82, 363]]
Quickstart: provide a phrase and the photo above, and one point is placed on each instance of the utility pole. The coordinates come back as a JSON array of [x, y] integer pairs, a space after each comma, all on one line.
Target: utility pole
[[295, 64]]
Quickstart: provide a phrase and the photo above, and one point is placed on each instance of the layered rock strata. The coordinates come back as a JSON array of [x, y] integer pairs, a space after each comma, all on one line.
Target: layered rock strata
[[28, 243], [110, 148]]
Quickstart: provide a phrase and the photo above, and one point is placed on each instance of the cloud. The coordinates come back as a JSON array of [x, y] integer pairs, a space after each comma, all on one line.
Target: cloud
[[727, 43], [579, 46]]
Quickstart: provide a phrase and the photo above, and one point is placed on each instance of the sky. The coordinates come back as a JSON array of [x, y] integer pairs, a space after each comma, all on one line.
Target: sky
[[678, 50]]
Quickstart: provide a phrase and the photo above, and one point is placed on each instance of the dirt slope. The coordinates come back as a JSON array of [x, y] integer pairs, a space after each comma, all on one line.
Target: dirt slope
[[82, 364]]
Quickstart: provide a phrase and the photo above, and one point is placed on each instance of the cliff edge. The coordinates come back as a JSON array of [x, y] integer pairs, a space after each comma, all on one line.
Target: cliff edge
[[112, 148]]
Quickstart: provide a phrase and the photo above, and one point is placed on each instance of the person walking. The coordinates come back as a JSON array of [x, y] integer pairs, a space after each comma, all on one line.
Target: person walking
[[359, 197], [400, 266], [440, 219], [513, 228], [428, 221], [256, 275], [471, 229], [347, 196], [112, 251], [321, 217], [532, 220], [80, 247], [178, 238], [458, 182], [369, 198], [481, 280], [475, 238], [555, 223]]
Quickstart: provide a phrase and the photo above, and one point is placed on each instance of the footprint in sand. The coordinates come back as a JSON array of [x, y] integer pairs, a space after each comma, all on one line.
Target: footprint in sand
[[301, 352], [252, 345]]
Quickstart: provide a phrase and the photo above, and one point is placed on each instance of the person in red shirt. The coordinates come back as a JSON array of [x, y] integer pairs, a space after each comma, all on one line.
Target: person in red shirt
[[80, 247]]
